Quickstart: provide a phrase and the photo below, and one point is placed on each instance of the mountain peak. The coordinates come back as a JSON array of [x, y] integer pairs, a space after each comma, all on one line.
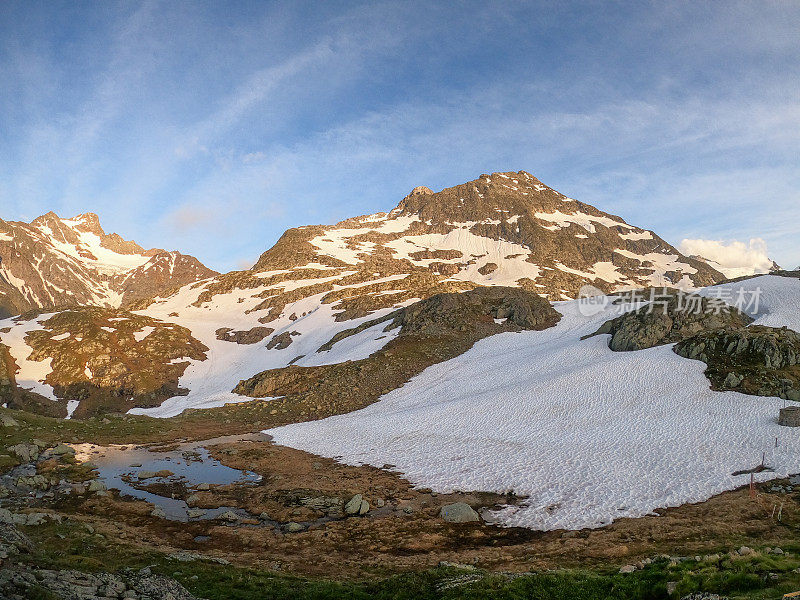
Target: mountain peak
[[420, 190], [506, 228], [54, 261]]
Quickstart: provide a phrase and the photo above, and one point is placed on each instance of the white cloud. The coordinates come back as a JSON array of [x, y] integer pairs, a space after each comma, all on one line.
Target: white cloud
[[732, 258]]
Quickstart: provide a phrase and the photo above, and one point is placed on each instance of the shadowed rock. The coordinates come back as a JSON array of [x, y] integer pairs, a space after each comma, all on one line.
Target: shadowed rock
[[671, 318]]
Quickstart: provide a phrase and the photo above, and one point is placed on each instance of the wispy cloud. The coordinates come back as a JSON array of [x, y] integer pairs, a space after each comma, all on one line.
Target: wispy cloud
[[218, 128]]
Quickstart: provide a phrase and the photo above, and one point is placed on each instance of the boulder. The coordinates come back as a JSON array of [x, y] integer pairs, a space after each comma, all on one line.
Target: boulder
[[459, 512], [8, 421], [96, 486], [356, 506], [25, 452], [229, 516], [61, 450], [671, 317]]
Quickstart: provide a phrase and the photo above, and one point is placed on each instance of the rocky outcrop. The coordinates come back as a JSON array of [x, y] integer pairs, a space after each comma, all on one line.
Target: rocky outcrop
[[22, 582], [763, 361], [251, 336], [673, 317], [431, 331], [451, 314], [112, 360]]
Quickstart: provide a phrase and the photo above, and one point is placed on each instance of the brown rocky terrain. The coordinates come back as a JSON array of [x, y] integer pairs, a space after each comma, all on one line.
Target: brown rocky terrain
[[402, 528], [431, 331], [108, 360]]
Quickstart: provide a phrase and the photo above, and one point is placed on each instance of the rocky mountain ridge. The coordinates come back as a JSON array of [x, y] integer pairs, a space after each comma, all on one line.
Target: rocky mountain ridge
[[53, 262], [504, 229]]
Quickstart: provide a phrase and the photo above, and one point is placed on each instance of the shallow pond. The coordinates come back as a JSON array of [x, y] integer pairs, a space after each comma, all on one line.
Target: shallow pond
[[191, 464]]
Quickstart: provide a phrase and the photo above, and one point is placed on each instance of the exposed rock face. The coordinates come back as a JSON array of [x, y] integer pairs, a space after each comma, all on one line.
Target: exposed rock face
[[251, 336], [757, 360], [111, 360], [671, 318], [431, 331], [55, 262], [21, 582], [509, 228]]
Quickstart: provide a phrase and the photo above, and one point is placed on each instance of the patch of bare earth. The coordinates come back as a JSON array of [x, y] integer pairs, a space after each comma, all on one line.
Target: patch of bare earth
[[407, 533]]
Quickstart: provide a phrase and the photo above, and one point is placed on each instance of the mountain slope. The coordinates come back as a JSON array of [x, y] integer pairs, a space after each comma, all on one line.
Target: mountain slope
[[53, 261], [504, 229], [501, 229], [588, 435]]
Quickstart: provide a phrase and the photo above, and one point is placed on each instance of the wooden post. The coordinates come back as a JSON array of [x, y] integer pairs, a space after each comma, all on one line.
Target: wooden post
[[752, 485]]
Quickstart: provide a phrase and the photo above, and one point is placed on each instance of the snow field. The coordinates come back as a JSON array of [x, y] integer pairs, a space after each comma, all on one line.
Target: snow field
[[589, 435]]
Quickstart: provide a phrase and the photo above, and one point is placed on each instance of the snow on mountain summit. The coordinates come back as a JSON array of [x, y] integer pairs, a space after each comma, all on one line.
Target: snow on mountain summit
[[500, 229]]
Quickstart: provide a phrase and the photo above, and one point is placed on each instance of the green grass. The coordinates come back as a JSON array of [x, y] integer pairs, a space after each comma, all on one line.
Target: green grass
[[71, 545]]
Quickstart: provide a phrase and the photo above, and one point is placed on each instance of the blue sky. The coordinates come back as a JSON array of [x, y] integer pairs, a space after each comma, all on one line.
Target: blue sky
[[212, 127]]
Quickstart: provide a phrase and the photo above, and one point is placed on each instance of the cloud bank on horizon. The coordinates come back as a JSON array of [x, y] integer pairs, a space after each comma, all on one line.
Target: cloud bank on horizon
[[732, 258], [212, 128]]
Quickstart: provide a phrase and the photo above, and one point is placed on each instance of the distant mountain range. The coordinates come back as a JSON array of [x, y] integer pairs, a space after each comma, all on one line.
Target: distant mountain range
[[54, 262]]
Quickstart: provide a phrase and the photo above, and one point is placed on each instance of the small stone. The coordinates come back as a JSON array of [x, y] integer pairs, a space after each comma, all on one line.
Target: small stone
[[744, 551], [203, 487], [777, 551], [158, 512], [229, 516], [295, 527], [380, 503], [96, 486], [627, 569]]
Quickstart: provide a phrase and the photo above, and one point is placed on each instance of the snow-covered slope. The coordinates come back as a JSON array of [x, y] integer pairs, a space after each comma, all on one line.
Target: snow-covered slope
[[54, 261], [589, 435]]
